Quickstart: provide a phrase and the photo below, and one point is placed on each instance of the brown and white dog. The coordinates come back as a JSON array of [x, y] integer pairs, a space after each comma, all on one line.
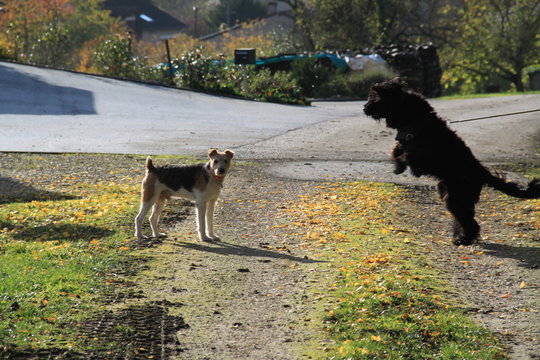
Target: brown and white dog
[[200, 183]]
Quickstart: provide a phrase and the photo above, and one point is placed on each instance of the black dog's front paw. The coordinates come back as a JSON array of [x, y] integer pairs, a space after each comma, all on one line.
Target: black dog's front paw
[[463, 240], [399, 169]]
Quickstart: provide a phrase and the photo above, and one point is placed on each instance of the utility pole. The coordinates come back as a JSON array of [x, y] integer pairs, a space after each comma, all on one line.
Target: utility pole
[[169, 62], [195, 9], [228, 13]]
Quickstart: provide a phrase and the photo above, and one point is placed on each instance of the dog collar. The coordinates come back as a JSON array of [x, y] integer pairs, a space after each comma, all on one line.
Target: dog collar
[[211, 173], [218, 178]]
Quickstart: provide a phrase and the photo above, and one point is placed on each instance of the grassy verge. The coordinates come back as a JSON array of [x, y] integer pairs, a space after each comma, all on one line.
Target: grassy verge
[[388, 301], [477, 96], [55, 254], [61, 246], [65, 242], [66, 245]]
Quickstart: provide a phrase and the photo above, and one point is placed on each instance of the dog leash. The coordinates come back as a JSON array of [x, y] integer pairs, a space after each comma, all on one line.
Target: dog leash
[[494, 116]]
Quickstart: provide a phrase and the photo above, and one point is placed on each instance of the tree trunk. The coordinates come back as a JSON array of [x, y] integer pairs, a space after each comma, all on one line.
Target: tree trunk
[[518, 76], [519, 84]]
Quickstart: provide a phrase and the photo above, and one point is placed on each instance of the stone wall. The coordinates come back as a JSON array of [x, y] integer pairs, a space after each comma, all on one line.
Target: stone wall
[[418, 65]]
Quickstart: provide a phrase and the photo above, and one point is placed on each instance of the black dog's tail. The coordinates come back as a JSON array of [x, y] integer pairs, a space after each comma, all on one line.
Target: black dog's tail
[[532, 191], [150, 165]]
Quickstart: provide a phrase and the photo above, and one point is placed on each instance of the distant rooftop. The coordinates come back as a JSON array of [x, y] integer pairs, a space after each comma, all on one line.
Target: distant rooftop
[[145, 19], [288, 15]]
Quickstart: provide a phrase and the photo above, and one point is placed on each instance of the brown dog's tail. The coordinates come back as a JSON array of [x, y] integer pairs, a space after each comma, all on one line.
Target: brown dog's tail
[[150, 165], [532, 191]]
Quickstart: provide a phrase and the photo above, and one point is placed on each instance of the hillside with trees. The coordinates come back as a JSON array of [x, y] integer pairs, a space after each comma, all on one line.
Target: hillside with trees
[[483, 45]]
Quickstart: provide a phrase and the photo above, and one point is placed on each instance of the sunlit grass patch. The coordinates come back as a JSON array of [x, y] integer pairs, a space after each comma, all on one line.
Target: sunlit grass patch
[[387, 311], [54, 254], [388, 301], [484, 95]]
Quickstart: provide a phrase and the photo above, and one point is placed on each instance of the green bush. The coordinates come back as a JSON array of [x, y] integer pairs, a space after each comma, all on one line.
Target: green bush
[[114, 57], [319, 81], [359, 82], [5, 52], [228, 80], [313, 77], [200, 72], [279, 87], [533, 75], [195, 70]]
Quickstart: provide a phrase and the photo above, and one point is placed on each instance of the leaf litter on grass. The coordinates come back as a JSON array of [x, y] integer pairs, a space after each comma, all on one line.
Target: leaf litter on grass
[[65, 243], [388, 301], [383, 301]]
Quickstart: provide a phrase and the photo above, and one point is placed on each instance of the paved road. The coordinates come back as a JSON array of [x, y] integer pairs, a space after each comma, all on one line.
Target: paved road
[[57, 111], [43, 110]]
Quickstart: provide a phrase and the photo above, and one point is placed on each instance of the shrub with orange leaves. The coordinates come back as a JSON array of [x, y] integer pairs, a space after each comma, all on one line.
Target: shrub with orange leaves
[[251, 35], [51, 32]]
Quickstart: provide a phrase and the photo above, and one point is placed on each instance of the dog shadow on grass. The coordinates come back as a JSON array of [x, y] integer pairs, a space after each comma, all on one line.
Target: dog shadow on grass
[[12, 191], [62, 232], [228, 249]]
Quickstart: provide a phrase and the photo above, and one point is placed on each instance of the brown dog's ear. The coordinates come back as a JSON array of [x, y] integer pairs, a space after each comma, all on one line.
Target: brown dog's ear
[[212, 152], [229, 153]]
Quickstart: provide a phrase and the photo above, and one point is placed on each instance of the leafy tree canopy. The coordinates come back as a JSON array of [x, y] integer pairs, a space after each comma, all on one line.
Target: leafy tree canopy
[[50, 32], [230, 12], [356, 24], [495, 38], [478, 40]]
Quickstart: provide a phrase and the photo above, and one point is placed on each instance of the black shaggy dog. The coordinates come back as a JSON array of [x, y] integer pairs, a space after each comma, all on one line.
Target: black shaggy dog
[[428, 147]]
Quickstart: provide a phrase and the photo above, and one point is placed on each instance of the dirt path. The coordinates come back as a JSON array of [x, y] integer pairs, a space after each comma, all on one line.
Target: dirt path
[[497, 279], [251, 296], [258, 294], [245, 297]]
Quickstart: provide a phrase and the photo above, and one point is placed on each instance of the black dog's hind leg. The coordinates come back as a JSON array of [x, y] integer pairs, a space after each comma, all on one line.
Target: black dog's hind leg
[[466, 228], [460, 202]]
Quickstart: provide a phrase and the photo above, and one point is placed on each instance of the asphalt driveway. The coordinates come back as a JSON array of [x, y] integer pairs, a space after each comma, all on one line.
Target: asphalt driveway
[[44, 110]]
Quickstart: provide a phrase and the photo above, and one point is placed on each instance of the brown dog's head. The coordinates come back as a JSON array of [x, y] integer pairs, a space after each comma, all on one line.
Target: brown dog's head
[[219, 163], [401, 107]]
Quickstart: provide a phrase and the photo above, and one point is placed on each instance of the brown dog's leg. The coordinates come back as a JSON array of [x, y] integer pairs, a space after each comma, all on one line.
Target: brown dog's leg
[[156, 213]]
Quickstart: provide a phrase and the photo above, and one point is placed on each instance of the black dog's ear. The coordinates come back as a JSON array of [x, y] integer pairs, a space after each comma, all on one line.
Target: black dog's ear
[[378, 91], [389, 88], [414, 103], [397, 82]]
